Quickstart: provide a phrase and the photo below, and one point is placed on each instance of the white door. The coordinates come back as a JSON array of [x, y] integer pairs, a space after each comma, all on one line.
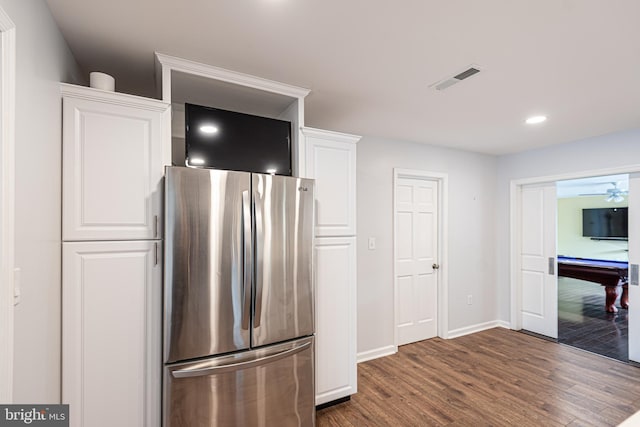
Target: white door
[[538, 259], [416, 239], [634, 261]]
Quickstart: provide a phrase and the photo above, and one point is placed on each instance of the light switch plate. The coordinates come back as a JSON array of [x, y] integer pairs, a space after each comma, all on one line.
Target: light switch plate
[[372, 243]]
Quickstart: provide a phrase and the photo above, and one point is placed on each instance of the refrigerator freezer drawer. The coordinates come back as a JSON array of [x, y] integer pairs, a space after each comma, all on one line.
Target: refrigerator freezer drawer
[[271, 386]]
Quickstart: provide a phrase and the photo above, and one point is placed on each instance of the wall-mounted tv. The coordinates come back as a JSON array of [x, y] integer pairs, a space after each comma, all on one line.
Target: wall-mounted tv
[[605, 223], [222, 139]]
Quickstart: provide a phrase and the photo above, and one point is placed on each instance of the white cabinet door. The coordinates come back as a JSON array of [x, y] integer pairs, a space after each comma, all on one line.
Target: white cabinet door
[[331, 161], [111, 333], [113, 161], [336, 359]]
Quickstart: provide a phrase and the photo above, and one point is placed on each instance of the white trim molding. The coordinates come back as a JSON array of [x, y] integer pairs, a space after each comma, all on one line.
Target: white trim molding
[[7, 202], [377, 353], [327, 134], [116, 98], [167, 63], [515, 227], [443, 251], [467, 330]]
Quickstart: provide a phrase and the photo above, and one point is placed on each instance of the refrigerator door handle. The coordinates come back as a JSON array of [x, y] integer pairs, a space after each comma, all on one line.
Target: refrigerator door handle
[[200, 371], [247, 269], [259, 209]]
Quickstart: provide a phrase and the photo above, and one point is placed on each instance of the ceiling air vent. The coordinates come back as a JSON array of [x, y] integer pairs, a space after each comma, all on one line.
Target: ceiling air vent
[[450, 81]]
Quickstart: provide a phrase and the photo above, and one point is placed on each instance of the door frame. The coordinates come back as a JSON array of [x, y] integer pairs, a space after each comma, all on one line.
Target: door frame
[[442, 253], [515, 226], [7, 202]]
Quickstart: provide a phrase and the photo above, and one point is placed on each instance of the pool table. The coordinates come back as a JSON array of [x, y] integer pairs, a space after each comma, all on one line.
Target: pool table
[[610, 274]]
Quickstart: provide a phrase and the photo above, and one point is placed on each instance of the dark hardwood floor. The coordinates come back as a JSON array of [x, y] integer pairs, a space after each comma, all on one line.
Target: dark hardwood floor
[[496, 377], [584, 323]]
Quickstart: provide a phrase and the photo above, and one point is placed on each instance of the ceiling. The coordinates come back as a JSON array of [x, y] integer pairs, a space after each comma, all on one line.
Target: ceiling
[[592, 186], [369, 64]]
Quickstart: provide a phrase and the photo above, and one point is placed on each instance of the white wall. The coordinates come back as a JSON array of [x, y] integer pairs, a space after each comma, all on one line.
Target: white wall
[[608, 151], [472, 182], [43, 60]]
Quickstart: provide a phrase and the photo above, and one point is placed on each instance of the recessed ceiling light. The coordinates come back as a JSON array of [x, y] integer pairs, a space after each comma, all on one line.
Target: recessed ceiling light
[[208, 129], [535, 120]]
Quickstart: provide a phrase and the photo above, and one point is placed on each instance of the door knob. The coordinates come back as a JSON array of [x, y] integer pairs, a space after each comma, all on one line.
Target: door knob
[[435, 266]]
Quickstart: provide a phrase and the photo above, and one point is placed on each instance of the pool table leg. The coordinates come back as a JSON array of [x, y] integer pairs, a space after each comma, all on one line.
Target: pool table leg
[[624, 298], [612, 295]]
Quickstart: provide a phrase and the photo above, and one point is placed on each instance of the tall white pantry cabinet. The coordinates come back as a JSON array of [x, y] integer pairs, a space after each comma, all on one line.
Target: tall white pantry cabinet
[[113, 162], [331, 161]]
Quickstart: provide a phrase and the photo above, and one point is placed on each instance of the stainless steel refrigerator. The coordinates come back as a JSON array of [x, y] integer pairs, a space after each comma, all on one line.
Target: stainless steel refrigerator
[[239, 299]]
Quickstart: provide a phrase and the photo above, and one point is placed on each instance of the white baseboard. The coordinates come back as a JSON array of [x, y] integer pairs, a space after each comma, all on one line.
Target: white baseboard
[[376, 353], [477, 328], [392, 349]]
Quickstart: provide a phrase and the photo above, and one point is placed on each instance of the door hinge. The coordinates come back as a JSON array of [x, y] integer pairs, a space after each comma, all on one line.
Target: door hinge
[[552, 266], [17, 291]]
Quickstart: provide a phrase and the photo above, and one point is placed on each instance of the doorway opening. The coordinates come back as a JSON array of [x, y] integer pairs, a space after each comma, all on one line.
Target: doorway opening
[[593, 256], [534, 276]]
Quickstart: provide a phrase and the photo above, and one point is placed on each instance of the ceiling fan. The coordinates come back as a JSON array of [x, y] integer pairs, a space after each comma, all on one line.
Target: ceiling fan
[[614, 194]]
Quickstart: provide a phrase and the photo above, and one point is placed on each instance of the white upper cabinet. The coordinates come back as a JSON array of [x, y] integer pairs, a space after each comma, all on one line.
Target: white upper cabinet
[[114, 153], [331, 161]]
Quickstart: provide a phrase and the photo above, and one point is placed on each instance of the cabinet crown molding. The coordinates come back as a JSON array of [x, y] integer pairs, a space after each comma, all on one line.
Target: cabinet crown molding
[[217, 73], [117, 98], [330, 135]]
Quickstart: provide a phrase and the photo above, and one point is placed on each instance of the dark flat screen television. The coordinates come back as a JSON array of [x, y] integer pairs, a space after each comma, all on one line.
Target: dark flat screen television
[[605, 223], [222, 139]]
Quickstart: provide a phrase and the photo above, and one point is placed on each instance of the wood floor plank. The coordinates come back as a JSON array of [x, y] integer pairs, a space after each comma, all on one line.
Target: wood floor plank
[[496, 377]]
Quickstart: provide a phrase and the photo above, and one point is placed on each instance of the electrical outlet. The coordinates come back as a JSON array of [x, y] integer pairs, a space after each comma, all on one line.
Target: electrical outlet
[[469, 299], [372, 243]]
